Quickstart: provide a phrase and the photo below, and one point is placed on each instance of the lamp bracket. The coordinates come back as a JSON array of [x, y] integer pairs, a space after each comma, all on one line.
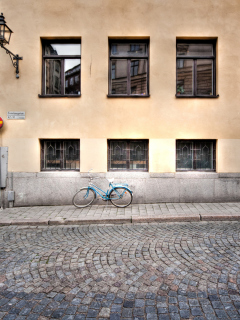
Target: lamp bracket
[[13, 57]]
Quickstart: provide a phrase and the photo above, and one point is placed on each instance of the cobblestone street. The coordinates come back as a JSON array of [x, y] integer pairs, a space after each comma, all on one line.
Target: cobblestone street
[[128, 271]]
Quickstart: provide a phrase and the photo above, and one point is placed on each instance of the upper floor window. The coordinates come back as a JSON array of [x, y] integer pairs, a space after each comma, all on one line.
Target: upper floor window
[[129, 68], [61, 62], [127, 155], [196, 68], [60, 154], [198, 155]]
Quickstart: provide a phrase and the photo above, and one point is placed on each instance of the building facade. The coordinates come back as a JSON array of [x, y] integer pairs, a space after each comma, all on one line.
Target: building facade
[[143, 91]]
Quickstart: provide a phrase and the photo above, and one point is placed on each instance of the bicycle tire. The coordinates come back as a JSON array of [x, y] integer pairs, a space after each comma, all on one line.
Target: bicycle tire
[[122, 202], [81, 199]]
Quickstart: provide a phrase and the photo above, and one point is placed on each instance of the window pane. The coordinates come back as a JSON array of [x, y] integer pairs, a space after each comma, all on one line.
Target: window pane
[[60, 155], [52, 76], [119, 76], [204, 155], [205, 77], [139, 77], [196, 155], [191, 49], [72, 73], [185, 76], [138, 155], [72, 154], [63, 49], [129, 49], [118, 155], [53, 155], [184, 155]]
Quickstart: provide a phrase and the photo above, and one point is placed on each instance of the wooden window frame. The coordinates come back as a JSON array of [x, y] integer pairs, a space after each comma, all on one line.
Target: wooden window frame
[[128, 141], [128, 58], [59, 57], [195, 58]]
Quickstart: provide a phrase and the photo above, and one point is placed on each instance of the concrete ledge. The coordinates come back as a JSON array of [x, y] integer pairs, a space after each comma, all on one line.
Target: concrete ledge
[[230, 175], [162, 175], [127, 175], [59, 174], [196, 175]]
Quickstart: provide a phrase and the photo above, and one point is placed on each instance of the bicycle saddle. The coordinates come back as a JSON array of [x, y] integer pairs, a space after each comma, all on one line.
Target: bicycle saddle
[[111, 180]]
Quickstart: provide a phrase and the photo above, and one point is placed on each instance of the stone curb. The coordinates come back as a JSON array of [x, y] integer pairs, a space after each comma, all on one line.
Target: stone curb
[[168, 218], [220, 217], [195, 217]]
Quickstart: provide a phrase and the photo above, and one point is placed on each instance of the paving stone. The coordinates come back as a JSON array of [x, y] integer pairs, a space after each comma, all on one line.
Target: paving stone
[[138, 271]]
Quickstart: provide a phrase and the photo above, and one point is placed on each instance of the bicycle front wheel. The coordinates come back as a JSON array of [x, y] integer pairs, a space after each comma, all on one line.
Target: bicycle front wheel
[[120, 197], [83, 198]]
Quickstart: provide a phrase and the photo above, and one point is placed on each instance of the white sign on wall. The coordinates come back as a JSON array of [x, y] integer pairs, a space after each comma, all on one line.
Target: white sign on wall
[[16, 115]]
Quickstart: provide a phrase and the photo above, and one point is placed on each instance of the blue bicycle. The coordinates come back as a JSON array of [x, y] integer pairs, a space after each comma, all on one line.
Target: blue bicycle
[[119, 195]]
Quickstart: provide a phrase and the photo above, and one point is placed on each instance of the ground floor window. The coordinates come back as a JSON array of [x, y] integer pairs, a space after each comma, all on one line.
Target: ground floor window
[[127, 155], [196, 155], [59, 154]]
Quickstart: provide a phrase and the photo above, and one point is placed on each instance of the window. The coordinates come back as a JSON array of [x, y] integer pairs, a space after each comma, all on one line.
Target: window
[[128, 155], [61, 63], [128, 68], [196, 68], [60, 154], [199, 155]]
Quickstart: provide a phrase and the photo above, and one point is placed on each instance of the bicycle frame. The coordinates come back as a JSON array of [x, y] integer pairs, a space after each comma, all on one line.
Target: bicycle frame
[[105, 195]]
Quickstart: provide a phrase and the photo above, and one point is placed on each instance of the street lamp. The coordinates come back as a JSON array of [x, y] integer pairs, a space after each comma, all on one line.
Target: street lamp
[[5, 35]]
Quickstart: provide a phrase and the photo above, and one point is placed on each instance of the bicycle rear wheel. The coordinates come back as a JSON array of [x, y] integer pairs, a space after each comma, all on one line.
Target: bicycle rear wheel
[[120, 197], [83, 198]]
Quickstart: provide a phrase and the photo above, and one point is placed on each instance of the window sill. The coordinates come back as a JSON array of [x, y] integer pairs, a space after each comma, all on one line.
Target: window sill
[[59, 96], [179, 96], [125, 96]]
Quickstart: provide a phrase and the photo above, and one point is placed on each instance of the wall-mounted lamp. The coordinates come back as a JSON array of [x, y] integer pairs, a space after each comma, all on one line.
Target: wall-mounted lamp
[[5, 35]]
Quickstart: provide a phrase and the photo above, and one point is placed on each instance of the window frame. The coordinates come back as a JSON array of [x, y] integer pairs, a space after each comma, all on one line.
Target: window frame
[[59, 57], [194, 141], [195, 58], [113, 41], [128, 141], [42, 155]]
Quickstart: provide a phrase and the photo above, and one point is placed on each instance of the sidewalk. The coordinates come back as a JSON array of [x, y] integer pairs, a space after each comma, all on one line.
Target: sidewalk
[[104, 214]]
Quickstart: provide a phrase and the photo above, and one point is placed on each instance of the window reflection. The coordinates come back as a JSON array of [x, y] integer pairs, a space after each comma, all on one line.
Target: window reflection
[[139, 76], [63, 49], [194, 49], [119, 76], [127, 49], [53, 76], [204, 77], [185, 76], [71, 72]]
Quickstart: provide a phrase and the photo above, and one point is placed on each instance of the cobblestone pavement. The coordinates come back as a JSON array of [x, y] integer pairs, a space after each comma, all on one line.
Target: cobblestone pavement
[[128, 271], [109, 214]]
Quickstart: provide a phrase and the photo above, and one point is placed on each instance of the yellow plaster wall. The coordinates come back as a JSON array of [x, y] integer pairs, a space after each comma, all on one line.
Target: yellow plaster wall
[[162, 155], [228, 155], [93, 115], [93, 155], [23, 154]]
